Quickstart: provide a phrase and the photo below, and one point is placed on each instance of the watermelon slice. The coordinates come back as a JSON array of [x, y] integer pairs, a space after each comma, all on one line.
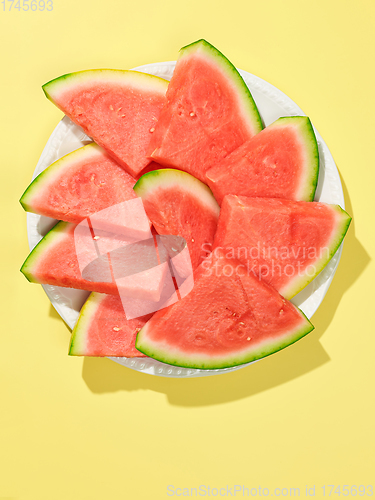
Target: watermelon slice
[[140, 272], [78, 185], [177, 203], [209, 112], [103, 330], [118, 109], [54, 261], [285, 242], [282, 161], [228, 319], [73, 256]]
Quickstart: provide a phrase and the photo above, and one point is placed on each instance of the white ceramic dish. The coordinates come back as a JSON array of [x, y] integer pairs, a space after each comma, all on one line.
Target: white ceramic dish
[[272, 104]]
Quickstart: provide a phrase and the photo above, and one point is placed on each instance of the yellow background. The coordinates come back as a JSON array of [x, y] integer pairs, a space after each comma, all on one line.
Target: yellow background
[[88, 429]]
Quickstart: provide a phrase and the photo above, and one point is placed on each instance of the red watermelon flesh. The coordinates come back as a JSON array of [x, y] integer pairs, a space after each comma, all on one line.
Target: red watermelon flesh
[[118, 109], [229, 318], [127, 219], [78, 185], [54, 261], [282, 161], [151, 167], [285, 242], [179, 204], [69, 256], [209, 112], [103, 330]]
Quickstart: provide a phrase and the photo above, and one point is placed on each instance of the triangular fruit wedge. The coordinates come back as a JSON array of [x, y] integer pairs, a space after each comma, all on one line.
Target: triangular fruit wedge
[[55, 261], [103, 330], [179, 204], [80, 184], [118, 109], [229, 318], [71, 256], [282, 161], [209, 112], [286, 243]]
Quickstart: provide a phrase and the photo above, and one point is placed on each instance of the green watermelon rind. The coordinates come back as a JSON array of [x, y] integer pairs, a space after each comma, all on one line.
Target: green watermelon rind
[[297, 285], [249, 108], [230, 361], [57, 232], [305, 130], [54, 171], [62, 83], [167, 178], [77, 346]]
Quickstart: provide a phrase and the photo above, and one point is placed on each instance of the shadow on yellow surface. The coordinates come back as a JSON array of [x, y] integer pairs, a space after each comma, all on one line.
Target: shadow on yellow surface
[[103, 375], [353, 262]]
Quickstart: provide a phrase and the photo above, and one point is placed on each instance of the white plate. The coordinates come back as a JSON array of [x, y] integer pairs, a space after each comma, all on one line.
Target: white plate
[[272, 104]]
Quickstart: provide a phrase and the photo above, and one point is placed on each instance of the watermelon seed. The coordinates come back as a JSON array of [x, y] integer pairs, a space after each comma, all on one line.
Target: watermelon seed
[[96, 237], [116, 329], [152, 130], [119, 109], [241, 323], [248, 338], [122, 116], [192, 239], [111, 107], [192, 113]]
